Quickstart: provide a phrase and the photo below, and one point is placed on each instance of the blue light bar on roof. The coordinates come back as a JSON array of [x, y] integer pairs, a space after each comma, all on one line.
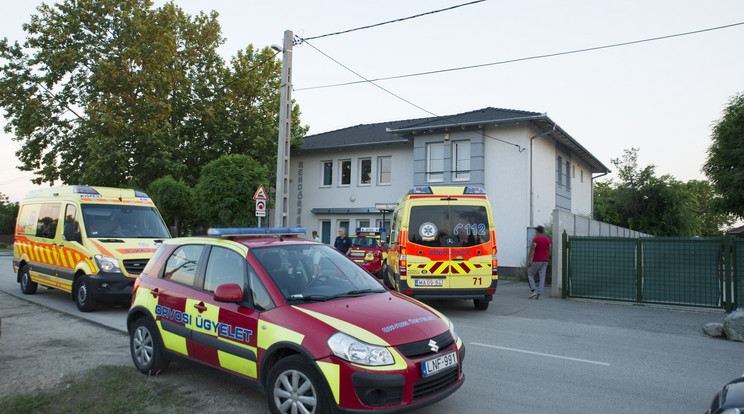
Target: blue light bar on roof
[[84, 189], [255, 231], [421, 189], [474, 190]]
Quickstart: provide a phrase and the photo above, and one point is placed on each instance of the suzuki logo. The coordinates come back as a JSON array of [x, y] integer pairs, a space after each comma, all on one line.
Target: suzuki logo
[[433, 346]]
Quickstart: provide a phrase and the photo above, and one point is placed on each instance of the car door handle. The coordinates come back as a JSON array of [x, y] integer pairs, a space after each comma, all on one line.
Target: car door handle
[[155, 292], [200, 307]]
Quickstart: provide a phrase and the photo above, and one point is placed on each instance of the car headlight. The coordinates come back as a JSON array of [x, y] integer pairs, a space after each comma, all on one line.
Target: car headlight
[[353, 350], [107, 263], [452, 331]]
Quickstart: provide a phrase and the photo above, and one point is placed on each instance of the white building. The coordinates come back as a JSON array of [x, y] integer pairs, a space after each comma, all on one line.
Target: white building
[[527, 164]]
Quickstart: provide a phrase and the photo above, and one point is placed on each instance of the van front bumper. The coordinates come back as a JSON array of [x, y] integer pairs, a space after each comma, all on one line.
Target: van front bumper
[[107, 286]]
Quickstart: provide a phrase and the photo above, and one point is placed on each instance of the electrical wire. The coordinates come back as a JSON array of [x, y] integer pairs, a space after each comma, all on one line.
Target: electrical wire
[[17, 179], [549, 55], [394, 21], [446, 118]]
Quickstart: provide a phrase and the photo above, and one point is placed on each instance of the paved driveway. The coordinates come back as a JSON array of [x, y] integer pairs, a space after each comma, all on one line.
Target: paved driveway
[[553, 355]]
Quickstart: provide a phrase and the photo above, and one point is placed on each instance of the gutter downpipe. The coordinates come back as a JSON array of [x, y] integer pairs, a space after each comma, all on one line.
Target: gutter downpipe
[[532, 193], [592, 183]]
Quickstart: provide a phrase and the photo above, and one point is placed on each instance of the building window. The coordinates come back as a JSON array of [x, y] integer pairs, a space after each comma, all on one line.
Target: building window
[[384, 168], [344, 224], [365, 171], [559, 171], [325, 231], [345, 172], [581, 173], [461, 160], [568, 175], [435, 162], [362, 223], [573, 171], [327, 173]]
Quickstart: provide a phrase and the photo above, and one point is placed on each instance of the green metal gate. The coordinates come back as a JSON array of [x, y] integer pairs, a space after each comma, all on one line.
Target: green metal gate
[[699, 271]]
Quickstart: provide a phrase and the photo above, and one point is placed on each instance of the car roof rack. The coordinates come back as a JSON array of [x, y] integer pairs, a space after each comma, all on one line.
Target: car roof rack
[[235, 232]]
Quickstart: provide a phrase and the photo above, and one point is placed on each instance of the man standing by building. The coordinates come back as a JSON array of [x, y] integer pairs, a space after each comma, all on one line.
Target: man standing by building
[[342, 243], [537, 261]]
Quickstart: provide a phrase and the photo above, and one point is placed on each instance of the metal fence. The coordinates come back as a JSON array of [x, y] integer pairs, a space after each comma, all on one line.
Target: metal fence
[[700, 271]]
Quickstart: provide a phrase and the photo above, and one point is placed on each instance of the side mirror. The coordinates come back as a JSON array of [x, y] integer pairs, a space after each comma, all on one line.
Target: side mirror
[[173, 231], [69, 233], [230, 292]]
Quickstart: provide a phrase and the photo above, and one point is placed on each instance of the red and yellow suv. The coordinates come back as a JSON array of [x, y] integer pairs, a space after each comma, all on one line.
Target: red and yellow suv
[[295, 317], [368, 249]]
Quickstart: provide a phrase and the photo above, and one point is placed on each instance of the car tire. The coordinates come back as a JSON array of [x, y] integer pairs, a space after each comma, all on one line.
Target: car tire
[[27, 285], [481, 304], [386, 278], [146, 348], [292, 374], [84, 298]]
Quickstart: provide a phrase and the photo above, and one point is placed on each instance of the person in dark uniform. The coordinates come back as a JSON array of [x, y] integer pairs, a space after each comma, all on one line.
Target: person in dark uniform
[[342, 243]]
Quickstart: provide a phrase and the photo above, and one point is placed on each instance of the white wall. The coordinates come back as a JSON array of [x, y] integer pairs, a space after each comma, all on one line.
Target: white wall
[[581, 192], [314, 195], [507, 187], [543, 179]]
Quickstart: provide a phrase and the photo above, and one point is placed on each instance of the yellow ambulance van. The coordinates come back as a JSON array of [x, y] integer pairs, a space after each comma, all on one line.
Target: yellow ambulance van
[[443, 245], [90, 241]]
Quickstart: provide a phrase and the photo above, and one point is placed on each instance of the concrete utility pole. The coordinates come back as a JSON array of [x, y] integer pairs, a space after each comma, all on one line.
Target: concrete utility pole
[[281, 209]]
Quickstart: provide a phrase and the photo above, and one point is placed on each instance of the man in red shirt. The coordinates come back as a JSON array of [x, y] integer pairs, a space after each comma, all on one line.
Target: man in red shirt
[[537, 261]]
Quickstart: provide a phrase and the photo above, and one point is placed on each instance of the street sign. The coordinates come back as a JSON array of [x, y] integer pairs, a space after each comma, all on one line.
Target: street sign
[[261, 194], [260, 208]]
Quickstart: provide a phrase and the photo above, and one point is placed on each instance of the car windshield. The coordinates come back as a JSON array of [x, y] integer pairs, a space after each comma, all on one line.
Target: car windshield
[[314, 272], [365, 242], [120, 221]]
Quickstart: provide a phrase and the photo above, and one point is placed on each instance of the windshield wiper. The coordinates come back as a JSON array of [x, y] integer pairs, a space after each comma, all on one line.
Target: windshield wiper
[[111, 240], [323, 298]]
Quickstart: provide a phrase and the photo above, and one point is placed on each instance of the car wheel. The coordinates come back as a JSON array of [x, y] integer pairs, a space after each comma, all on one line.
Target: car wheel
[[147, 350], [294, 386], [386, 278], [84, 298], [481, 304], [27, 285]]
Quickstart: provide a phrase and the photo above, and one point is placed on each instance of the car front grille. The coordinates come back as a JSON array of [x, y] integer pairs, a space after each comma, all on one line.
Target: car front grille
[[135, 266], [422, 349], [428, 386]]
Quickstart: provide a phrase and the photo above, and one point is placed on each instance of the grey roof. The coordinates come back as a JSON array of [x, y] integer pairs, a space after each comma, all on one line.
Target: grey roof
[[401, 131]]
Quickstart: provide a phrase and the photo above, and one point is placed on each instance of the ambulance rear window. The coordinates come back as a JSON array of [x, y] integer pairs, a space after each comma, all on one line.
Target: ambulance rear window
[[467, 225]]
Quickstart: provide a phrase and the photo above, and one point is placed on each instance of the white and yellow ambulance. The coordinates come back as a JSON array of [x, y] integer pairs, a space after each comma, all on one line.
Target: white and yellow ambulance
[[90, 241], [443, 245]]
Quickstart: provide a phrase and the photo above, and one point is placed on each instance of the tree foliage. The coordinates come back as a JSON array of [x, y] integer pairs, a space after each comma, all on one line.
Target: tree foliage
[[661, 206], [8, 214], [173, 198], [119, 93], [724, 166], [224, 194]]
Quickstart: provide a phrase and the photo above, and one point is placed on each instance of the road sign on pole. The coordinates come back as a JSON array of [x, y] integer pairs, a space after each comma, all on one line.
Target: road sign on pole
[[260, 195], [260, 208]]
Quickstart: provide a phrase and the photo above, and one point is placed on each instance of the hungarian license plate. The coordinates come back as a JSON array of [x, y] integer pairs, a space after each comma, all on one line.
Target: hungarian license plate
[[357, 254], [434, 365], [429, 282]]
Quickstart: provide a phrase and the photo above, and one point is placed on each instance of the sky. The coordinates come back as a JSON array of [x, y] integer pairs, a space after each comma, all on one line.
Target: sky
[[661, 97]]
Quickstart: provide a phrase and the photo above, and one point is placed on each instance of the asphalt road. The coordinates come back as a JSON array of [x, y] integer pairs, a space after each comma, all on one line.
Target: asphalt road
[[553, 355]]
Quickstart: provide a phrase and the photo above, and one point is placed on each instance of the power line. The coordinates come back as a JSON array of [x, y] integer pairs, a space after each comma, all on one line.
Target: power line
[[394, 21], [502, 62], [446, 118]]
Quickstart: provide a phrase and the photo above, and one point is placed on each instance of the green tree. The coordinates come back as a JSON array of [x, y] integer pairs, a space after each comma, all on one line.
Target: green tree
[[172, 198], [118, 92], [712, 221], [661, 206], [8, 214], [224, 194], [724, 166]]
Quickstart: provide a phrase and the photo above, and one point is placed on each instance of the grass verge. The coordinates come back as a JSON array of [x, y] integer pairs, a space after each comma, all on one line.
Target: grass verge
[[104, 389]]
